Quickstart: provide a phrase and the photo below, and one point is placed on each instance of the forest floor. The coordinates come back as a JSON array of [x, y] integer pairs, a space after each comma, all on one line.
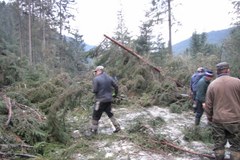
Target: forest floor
[[121, 146]]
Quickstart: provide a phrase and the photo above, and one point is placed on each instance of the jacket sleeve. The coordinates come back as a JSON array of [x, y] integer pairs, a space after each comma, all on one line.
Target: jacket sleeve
[[95, 86], [209, 105], [115, 86]]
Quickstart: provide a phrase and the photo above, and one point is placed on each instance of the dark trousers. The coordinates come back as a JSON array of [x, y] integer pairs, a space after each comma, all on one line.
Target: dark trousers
[[199, 109], [101, 107]]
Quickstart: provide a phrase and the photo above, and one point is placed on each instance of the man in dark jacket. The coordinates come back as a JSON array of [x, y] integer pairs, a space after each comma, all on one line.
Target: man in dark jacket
[[222, 108], [103, 86], [202, 86]]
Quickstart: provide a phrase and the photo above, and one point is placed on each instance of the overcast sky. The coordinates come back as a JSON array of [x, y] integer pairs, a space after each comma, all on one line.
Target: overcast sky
[[98, 17]]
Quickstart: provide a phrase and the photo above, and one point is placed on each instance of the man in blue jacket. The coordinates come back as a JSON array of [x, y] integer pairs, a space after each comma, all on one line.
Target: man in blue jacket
[[202, 86], [193, 84], [103, 86]]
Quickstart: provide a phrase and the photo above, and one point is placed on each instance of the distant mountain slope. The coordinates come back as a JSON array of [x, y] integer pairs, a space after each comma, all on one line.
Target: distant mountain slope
[[213, 37], [88, 47]]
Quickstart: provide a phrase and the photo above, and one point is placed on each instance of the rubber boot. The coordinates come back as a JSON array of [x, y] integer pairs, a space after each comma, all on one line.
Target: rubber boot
[[115, 124], [234, 155], [94, 127], [219, 154], [197, 121]]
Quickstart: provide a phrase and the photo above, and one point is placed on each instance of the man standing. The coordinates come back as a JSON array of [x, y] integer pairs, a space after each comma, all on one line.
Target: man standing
[[202, 86], [193, 84], [223, 112], [103, 86]]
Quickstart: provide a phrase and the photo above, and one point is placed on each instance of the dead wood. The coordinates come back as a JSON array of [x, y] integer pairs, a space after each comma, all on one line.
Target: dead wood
[[15, 145], [135, 54], [7, 101], [39, 116], [3, 154]]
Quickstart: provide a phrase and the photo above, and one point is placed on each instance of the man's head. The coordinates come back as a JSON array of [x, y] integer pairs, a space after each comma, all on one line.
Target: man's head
[[200, 70], [98, 70], [209, 75], [222, 67]]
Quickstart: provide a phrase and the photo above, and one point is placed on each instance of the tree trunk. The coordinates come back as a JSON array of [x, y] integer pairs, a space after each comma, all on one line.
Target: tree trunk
[[30, 32], [60, 19], [43, 31], [169, 28], [20, 29]]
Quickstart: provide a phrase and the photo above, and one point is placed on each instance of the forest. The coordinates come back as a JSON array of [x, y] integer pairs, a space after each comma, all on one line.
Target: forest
[[46, 79]]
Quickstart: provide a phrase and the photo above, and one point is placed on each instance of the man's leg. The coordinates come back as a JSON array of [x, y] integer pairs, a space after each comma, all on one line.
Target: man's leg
[[233, 135], [97, 113], [115, 124], [94, 126], [219, 139], [199, 113], [109, 113]]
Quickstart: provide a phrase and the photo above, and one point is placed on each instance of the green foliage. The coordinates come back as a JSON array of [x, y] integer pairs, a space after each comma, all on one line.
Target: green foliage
[[42, 93], [180, 106], [9, 69], [28, 127], [175, 108], [57, 113], [140, 132], [145, 100], [231, 52], [198, 134], [20, 97], [3, 108], [48, 150]]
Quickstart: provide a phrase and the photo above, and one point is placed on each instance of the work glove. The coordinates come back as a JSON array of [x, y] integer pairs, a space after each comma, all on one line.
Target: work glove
[[114, 95]]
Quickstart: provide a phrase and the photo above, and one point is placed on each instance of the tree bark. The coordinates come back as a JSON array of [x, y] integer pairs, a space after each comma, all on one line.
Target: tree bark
[[169, 28], [20, 29], [30, 32]]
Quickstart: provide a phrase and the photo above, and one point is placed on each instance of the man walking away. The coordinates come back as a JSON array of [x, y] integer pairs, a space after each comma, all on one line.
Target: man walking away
[[222, 108], [103, 86], [202, 86], [193, 84]]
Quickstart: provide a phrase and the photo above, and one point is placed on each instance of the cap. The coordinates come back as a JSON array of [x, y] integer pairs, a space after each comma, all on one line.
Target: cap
[[99, 68], [200, 69], [209, 73], [222, 65]]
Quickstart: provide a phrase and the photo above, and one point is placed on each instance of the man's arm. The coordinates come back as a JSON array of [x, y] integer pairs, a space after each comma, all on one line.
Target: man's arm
[[208, 106], [95, 86], [115, 86]]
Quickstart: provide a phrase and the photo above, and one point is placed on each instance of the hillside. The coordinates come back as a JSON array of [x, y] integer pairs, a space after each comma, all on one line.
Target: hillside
[[214, 37]]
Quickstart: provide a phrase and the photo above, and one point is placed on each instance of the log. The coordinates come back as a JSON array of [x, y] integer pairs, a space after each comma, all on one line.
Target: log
[[134, 54]]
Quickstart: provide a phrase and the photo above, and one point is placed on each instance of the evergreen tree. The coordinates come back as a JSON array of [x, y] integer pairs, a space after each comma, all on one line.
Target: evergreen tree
[[122, 35], [160, 11], [143, 42]]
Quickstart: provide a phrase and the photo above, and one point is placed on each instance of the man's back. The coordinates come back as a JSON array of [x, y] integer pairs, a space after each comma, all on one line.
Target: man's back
[[194, 79], [224, 97], [102, 87]]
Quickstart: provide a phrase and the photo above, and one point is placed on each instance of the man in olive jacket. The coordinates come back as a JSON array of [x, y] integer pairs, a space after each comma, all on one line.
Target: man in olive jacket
[[201, 90], [222, 108]]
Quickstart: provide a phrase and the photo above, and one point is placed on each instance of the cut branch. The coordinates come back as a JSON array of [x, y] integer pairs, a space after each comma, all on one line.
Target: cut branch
[[39, 116], [9, 107]]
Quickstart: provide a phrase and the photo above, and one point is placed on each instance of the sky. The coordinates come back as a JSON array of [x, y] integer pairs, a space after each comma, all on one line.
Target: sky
[[94, 18]]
